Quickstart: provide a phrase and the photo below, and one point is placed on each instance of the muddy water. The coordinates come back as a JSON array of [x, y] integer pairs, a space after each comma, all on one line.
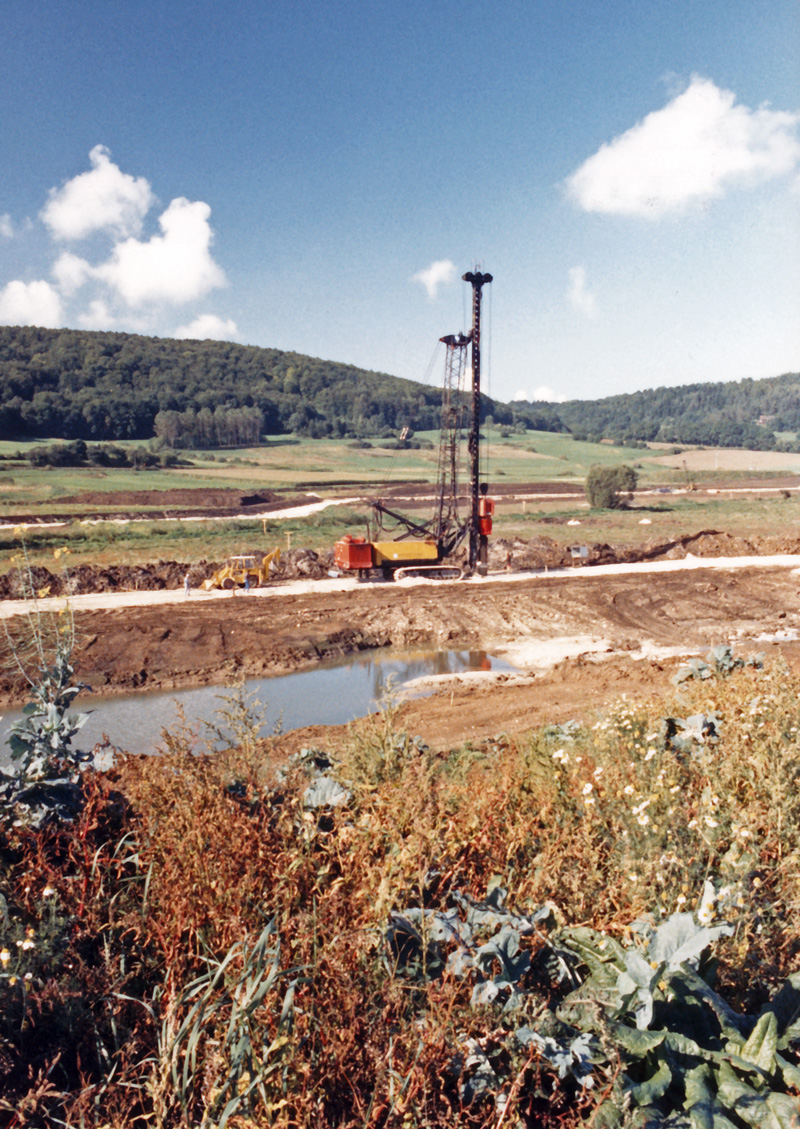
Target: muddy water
[[329, 695]]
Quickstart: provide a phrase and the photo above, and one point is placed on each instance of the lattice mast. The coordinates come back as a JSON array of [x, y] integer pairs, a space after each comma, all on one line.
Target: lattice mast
[[478, 542], [446, 518]]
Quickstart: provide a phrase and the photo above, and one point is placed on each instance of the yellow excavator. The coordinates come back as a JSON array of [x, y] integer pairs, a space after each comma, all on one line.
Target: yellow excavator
[[243, 571]]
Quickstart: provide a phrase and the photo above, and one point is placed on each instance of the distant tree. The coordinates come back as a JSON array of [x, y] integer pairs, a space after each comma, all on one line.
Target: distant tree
[[608, 488]]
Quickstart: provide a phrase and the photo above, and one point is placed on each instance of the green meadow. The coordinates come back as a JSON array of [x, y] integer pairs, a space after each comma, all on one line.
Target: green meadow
[[340, 469]]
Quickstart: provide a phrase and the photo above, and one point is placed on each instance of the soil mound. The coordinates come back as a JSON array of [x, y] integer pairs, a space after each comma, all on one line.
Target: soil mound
[[84, 579], [545, 553], [538, 553], [170, 499]]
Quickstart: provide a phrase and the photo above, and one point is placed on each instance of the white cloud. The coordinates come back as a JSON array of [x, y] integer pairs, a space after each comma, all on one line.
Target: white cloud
[[540, 393], [578, 295], [30, 303], [689, 152], [103, 199], [98, 316], [133, 285], [175, 267], [70, 272], [208, 327], [439, 273]]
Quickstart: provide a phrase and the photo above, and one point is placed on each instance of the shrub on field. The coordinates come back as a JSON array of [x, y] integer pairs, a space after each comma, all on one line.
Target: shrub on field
[[607, 488], [78, 453]]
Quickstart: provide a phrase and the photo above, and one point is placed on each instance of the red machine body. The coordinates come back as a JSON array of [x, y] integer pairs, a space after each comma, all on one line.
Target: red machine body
[[353, 552]]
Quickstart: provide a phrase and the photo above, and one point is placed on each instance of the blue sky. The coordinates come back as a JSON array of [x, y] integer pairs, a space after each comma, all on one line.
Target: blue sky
[[318, 176]]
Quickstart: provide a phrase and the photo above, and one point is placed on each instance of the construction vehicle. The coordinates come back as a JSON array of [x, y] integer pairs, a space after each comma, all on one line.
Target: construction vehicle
[[423, 548], [243, 571]]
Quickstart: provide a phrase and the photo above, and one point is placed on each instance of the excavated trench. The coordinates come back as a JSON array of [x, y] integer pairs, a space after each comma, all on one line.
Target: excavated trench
[[622, 633]]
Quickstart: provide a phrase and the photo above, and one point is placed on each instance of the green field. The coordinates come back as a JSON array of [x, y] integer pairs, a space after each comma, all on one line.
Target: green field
[[284, 463], [335, 469]]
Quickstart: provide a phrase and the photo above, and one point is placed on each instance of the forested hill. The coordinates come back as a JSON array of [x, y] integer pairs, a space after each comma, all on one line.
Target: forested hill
[[81, 384], [92, 385], [743, 413]]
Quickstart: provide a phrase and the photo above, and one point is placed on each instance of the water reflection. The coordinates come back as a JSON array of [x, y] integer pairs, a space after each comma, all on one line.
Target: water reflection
[[328, 695], [411, 667]]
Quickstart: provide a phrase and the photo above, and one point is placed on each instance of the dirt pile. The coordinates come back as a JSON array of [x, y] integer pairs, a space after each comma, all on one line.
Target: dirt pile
[[545, 553], [707, 543], [537, 553], [169, 499], [84, 579]]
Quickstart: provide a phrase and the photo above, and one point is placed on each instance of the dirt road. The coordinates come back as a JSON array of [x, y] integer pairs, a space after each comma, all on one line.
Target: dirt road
[[635, 622]]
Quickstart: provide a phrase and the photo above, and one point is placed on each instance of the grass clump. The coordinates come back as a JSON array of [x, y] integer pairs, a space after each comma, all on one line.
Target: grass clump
[[589, 924]]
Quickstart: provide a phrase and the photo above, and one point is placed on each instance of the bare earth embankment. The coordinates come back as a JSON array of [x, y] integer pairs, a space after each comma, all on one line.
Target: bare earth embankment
[[621, 634], [578, 639]]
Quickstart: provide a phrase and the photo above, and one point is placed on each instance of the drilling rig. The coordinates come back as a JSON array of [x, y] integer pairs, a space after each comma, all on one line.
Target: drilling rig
[[423, 548]]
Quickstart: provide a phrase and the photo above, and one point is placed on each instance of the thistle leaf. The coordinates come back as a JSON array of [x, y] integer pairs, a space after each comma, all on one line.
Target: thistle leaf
[[763, 1042], [645, 1093]]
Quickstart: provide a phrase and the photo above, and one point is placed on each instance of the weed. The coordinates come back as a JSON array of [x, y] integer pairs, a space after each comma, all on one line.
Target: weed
[[457, 940], [48, 768]]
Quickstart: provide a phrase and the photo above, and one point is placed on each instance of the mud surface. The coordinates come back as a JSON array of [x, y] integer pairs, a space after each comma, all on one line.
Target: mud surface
[[216, 642], [504, 554], [621, 627]]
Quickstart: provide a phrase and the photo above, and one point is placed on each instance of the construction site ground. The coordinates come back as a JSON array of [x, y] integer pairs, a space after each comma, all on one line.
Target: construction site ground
[[619, 624], [580, 637]]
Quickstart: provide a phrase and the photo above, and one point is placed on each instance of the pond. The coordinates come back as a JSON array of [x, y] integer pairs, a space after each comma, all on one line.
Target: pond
[[332, 694]]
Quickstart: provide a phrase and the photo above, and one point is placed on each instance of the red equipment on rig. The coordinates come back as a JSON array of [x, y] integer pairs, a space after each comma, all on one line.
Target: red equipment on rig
[[424, 545]]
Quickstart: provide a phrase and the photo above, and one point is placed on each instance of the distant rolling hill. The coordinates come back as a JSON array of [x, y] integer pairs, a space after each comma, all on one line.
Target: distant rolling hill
[[69, 384]]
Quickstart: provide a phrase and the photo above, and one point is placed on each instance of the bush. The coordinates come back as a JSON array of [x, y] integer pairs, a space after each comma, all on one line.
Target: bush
[[606, 486], [59, 454]]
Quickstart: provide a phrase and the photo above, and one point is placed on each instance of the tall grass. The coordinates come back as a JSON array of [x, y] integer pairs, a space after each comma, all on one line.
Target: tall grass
[[209, 948]]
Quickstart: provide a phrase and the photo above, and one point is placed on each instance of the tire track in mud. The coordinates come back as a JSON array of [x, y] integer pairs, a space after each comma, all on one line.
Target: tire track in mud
[[212, 641]]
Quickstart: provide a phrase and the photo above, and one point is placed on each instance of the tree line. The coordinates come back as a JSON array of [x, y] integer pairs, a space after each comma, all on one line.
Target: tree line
[[224, 427], [93, 385], [744, 413], [82, 384]]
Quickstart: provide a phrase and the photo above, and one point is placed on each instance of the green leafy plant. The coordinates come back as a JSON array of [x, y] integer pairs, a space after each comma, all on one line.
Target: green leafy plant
[[48, 767], [688, 1058], [639, 1021], [719, 663], [41, 743]]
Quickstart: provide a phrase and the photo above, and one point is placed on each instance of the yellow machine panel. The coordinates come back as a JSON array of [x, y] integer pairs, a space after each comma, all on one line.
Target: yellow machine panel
[[390, 552]]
